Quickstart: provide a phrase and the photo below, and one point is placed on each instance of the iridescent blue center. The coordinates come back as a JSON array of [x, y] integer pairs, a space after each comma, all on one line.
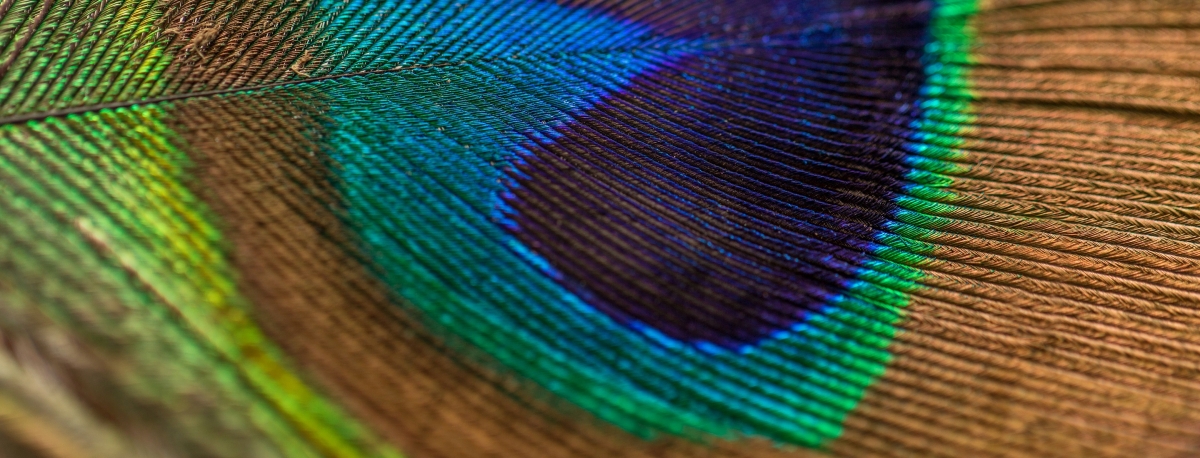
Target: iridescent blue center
[[727, 194]]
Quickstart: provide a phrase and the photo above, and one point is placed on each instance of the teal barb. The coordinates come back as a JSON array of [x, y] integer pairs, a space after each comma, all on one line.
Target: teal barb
[[435, 165], [687, 220]]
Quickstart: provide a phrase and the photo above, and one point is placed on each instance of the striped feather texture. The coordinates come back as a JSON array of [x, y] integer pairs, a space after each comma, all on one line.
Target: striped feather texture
[[535, 228]]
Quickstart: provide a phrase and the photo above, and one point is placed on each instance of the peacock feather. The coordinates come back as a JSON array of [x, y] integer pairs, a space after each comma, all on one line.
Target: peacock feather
[[619, 228]]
